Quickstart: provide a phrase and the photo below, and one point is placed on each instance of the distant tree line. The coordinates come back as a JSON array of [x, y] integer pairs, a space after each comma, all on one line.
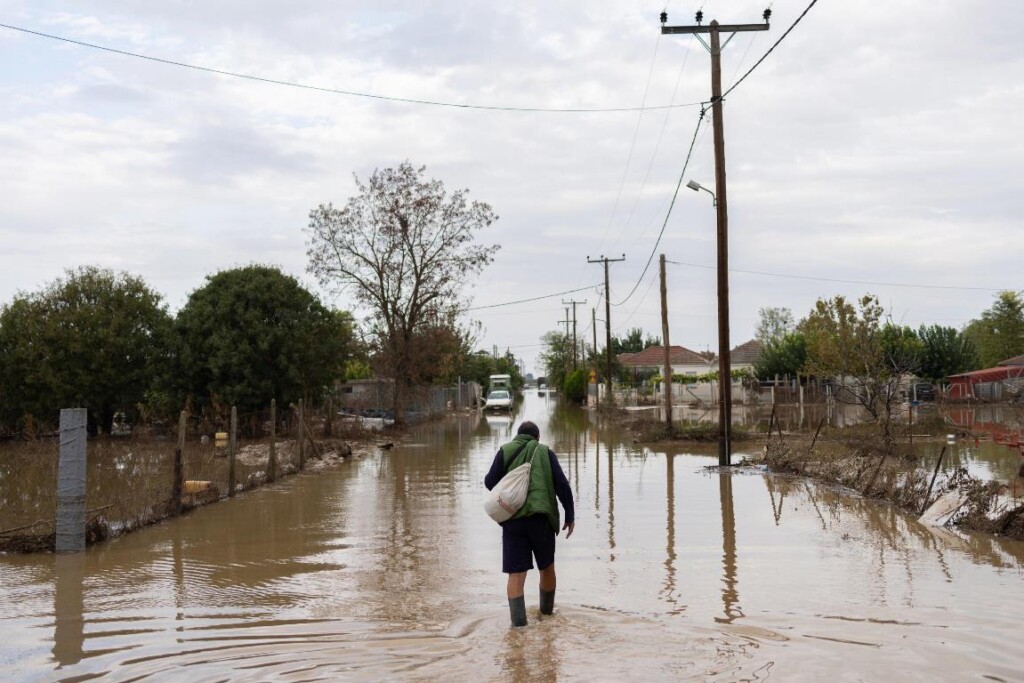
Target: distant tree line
[[106, 341], [839, 337]]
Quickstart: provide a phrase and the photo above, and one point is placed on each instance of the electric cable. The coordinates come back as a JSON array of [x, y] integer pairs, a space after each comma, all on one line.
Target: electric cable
[[349, 93], [851, 282], [654, 154], [650, 286], [632, 144], [536, 298], [671, 205], [765, 55]]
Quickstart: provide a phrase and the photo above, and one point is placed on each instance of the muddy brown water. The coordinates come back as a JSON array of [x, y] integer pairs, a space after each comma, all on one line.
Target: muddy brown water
[[387, 568]]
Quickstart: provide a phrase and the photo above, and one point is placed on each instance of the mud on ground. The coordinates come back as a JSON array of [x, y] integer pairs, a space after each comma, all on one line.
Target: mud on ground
[[911, 485]]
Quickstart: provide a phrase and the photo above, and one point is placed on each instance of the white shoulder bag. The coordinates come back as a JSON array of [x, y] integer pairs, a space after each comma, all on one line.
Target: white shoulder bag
[[509, 494]]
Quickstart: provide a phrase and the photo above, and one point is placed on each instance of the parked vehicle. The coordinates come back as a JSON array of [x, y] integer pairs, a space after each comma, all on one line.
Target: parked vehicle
[[500, 382], [922, 391], [499, 400]]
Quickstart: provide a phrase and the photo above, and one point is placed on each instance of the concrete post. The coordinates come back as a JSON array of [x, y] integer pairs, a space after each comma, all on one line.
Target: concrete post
[[70, 522]]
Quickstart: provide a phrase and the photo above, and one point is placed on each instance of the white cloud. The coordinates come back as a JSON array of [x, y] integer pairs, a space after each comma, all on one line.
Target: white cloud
[[852, 153]]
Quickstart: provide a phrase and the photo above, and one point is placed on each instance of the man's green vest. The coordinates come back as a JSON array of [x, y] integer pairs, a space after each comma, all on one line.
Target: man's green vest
[[541, 497]]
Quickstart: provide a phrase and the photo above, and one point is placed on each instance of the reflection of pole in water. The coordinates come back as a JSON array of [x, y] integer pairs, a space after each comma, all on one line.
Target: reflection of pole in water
[[597, 480], [68, 604], [611, 505], [670, 513], [730, 594], [179, 574]]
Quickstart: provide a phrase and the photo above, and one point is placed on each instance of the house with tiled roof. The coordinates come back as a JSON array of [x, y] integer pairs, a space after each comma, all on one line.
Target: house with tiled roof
[[745, 355], [683, 360]]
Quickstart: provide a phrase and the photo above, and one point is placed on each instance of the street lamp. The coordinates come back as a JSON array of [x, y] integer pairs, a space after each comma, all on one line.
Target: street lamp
[[694, 185]]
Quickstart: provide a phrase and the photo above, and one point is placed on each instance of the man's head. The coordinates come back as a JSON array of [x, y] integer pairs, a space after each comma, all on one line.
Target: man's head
[[529, 429]]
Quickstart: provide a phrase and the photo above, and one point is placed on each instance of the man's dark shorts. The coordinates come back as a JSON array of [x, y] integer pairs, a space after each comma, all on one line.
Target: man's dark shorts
[[523, 539]]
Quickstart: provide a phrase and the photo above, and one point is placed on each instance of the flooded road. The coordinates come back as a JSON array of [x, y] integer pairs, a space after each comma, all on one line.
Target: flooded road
[[387, 567]]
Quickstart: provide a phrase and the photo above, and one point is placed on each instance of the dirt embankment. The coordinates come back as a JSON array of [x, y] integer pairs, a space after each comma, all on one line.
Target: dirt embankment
[[900, 479]]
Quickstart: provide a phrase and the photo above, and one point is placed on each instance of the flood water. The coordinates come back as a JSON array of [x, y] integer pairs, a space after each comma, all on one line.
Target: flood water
[[388, 568]]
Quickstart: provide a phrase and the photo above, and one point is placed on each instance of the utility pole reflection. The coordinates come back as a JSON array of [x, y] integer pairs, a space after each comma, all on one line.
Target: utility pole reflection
[[68, 603], [670, 543], [730, 594], [611, 505]]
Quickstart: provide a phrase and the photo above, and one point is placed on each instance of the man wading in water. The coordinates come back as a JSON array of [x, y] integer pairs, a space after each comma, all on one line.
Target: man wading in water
[[531, 531]]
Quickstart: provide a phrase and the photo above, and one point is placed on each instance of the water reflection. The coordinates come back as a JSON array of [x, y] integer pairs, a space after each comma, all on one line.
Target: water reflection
[[730, 591], [670, 529], [68, 608], [387, 567]]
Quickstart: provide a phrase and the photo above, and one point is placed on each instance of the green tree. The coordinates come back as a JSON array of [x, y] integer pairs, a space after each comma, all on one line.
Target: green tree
[[633, 342], [847, 343], [775, 323], [575, 386], [404, 247], [999, 333], [556, 358], [785, 355], [253, 334], [94, 339], [901, 346], [479, 366], [945, 352]]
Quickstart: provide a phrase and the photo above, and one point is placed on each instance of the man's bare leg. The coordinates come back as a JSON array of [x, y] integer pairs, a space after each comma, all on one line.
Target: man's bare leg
[[517, 584]]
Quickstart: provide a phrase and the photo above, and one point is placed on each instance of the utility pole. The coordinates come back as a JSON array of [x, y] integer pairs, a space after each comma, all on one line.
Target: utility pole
[[607, 321], [667, 374], [565, 356], [574, 345], [724, 361], [593, 326]]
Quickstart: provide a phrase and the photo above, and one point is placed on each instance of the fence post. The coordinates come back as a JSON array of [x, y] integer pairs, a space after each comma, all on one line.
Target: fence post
[[70, 522], [272, 459], [232, 444], [179, 466], [301, 436]]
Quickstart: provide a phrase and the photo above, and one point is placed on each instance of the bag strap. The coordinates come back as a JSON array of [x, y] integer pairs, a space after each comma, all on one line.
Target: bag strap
[[515, 455]]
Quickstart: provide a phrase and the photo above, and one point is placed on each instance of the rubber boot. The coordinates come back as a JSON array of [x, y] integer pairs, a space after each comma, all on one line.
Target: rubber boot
[[547, 601], [517, 609]]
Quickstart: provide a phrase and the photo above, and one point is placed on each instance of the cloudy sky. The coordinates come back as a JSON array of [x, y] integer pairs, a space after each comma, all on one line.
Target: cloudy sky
[[878, 146]]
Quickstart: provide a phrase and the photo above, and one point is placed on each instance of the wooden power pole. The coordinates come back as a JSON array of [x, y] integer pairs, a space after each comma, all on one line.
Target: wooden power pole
[[667, 373], [565, 356], [607, 321], [724, 361], [575, 346]]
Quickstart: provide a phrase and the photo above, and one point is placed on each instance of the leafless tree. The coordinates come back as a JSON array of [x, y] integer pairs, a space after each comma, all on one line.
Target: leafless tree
[[404, 247]]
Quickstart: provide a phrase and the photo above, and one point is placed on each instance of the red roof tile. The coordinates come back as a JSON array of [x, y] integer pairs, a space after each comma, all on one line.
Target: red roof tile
[[654, 356]]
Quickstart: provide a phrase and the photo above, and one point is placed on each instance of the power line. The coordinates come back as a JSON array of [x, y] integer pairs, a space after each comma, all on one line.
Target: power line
[[622, 325], [536, 298], [851, 282], [675, 194], [765, 55], [350, 93], [632, 144], [657, 146]]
